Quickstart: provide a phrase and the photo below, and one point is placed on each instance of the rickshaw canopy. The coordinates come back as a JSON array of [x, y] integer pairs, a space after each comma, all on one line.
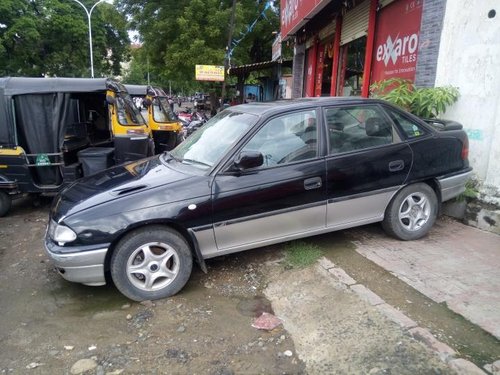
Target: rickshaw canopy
[[43, 108]]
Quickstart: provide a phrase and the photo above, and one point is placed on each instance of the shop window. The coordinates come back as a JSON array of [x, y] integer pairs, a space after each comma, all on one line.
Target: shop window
[[352, 66]]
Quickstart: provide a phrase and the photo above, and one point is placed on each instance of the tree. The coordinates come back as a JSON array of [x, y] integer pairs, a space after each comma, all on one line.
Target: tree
[[50, 37], [177, 35]]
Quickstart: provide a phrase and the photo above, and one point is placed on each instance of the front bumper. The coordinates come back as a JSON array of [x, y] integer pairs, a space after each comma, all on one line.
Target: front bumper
[[83, 265]]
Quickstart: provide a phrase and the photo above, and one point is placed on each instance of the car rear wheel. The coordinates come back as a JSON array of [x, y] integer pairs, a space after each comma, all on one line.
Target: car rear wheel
[[151, 263], [5, 203], [411, 213]]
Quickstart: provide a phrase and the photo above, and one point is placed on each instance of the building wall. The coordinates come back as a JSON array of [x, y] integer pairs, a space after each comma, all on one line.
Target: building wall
[[469, 58], [430, 37]]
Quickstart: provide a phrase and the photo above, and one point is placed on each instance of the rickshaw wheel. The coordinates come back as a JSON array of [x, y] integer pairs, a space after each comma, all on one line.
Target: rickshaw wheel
[[5, 203]]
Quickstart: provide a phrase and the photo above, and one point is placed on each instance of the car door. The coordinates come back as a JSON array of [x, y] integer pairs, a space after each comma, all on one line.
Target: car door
[[367, 163], [282, 199]]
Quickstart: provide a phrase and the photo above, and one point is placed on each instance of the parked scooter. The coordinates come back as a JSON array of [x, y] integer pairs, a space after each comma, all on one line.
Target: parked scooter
[[185, 115], [198, 119]]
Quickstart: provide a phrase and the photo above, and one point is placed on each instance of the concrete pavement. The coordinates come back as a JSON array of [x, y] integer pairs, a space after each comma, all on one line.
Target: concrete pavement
[[455, 264]]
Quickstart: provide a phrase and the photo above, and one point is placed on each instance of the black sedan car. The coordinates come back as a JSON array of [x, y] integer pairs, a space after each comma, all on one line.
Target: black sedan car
[[254, 175]]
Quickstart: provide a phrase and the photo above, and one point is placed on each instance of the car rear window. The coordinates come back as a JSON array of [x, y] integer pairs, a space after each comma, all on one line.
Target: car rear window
[[410, 128]]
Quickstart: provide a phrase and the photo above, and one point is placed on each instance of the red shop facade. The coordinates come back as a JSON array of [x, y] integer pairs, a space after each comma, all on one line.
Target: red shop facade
[[341, 47]]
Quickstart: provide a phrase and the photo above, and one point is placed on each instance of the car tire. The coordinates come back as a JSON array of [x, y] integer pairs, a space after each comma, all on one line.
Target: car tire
[[151, 263], [411, 213], [5, 203]]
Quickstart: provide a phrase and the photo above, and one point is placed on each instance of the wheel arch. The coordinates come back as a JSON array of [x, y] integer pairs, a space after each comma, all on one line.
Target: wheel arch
[[434, 184], [431, 182], [185, 233]]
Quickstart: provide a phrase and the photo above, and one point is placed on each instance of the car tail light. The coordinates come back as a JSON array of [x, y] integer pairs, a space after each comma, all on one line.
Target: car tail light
[[465, 149]]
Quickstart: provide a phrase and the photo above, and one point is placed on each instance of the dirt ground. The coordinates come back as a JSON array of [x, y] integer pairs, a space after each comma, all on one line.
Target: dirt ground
[[50, 326]]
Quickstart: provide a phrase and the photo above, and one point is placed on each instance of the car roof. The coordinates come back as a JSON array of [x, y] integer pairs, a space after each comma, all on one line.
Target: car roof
[[268, 108]]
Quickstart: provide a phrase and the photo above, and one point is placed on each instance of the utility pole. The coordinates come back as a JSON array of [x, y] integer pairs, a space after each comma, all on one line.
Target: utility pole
[[89, 15], [228, 47]]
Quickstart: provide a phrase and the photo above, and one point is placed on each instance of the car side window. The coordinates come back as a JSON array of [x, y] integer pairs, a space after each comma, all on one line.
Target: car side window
[[286, 139], [357, 127], [410, 128]]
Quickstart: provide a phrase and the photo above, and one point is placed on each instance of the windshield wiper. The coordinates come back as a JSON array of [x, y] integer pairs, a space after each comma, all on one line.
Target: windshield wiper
[[192, 161], [168, 156]]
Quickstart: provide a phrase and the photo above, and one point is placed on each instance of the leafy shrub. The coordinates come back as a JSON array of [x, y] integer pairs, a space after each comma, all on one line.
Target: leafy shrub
[[425, 102]]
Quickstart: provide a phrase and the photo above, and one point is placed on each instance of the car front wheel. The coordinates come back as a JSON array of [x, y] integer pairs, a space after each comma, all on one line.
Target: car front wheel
[[151, 263], [411, 213]]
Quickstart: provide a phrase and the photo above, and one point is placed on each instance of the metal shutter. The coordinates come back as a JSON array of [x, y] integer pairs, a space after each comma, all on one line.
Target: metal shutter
[[384, 3], [355, 23], [325, 32]]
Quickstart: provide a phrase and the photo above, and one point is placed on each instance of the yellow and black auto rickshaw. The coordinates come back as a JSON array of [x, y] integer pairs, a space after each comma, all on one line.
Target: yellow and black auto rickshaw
[[55, 130], [165, 126]]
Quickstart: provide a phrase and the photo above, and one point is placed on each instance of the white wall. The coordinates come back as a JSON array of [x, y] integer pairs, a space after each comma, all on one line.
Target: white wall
[[469, 58]]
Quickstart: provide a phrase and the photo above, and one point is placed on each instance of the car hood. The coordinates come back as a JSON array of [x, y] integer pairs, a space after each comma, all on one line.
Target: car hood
[[117, 183]]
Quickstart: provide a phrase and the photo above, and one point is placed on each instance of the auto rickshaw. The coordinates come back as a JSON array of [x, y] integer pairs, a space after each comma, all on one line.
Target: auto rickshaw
[[56, 130], [165, 126]]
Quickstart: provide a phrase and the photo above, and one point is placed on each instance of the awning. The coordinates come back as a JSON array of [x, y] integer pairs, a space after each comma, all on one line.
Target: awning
[[244, 69]]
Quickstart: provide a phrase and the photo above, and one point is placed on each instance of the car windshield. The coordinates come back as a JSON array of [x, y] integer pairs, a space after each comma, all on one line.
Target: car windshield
[[128, 113], [213, 140], [162, 111]]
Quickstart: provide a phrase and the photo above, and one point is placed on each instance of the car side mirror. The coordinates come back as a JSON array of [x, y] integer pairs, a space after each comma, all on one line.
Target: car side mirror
[[147, 102], [248, 159]]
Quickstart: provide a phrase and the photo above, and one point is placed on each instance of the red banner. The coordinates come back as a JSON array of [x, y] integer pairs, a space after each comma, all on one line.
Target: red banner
[[311, 64], [319, 70], [397, 40], [293, 13]]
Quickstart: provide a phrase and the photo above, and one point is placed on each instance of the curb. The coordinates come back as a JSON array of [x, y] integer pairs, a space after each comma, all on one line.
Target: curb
[[444, 352]]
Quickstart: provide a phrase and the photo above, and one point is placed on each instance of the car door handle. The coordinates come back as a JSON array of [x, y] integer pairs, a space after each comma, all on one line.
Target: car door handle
[[313, 183], [396, 165]]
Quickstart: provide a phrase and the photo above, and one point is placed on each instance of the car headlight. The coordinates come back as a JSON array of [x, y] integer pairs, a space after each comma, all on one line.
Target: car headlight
[[60, 233]]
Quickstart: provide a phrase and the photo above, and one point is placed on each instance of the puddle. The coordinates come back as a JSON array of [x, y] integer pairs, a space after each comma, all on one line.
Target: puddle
[[254, 306]]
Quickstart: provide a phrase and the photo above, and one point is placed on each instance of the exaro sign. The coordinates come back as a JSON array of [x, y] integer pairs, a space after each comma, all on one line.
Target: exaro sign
[[397, 40]]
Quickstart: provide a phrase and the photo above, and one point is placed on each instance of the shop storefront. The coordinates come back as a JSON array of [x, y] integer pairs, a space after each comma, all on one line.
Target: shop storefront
[[351, 44]]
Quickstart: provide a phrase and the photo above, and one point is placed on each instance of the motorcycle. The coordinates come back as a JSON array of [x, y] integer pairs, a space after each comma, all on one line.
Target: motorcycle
[[198, 119], [185, 115]]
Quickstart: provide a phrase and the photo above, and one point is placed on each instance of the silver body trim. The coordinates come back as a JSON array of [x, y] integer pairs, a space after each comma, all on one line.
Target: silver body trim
[[83, 267], [358, 208], [277, 224], [349, 212], [453, 186]]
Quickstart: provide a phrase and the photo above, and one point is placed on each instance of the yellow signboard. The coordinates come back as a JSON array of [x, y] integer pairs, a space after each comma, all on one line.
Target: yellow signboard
[[209, 73]]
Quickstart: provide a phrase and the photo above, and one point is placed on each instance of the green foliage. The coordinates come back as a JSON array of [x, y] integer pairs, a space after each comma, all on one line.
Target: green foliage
[[177, 35], [50, 37], [470, 192], [300, 254], [425, 102]]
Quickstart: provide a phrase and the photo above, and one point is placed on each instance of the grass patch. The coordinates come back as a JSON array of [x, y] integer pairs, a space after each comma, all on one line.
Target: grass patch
[[300, 254]]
